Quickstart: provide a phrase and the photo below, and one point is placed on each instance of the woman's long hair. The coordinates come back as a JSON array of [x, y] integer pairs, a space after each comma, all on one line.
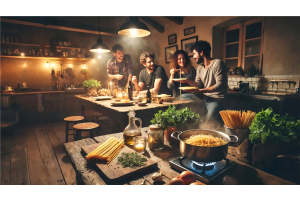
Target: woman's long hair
[[174, 61]]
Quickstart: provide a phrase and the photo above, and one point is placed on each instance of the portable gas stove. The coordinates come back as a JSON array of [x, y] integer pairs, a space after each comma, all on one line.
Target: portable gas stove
[[205, 172]]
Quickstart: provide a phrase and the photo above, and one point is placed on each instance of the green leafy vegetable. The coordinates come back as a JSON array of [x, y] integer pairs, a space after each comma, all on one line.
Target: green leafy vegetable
[[173, 117], [91, 83], [268, 127], [131, 160]]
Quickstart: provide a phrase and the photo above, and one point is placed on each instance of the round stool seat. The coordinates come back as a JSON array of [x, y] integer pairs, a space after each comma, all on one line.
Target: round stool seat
[[74, 118], [86, 126]]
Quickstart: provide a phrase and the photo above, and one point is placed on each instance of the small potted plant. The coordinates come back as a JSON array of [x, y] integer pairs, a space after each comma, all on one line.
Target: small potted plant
[[173, 120], [252, 71], [238, 70], [91, 85]]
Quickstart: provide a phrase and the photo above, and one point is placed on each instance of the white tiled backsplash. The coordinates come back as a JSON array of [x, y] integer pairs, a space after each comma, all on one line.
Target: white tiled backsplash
[[261, 83]]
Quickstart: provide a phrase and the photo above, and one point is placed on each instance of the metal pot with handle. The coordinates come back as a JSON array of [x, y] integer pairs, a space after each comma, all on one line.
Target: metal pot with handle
[[201, 153]]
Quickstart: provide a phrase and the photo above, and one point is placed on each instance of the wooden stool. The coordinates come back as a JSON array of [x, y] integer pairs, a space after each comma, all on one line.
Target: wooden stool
[[87, 126], [72, 119]]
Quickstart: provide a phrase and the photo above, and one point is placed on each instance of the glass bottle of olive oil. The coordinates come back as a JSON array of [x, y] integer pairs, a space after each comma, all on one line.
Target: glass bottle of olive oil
[[132, 130]]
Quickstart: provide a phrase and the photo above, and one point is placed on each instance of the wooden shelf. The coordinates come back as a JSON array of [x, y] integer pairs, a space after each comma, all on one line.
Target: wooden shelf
[[47, 58], [231, 58], [13, 43], [247, 56], [253, 39], [232, 43], [63, 47]]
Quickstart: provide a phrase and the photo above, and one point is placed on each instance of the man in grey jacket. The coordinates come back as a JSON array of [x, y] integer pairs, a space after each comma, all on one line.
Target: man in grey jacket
[[211, 79]]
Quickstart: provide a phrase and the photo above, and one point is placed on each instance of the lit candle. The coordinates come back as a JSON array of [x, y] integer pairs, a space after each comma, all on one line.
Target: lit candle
[[139, 147]]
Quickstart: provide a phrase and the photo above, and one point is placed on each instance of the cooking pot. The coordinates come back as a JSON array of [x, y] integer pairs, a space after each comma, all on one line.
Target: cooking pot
[[6, 101], [200, 153], [22, 85]]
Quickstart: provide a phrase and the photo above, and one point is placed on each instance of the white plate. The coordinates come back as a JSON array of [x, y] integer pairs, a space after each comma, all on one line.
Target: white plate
[[163, 95], [122, 104], [187, 88], [102, 97], [179, 79]]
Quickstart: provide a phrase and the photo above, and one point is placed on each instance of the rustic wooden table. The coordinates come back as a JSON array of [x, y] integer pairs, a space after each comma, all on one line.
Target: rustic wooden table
[[119, 113], [239, 174]]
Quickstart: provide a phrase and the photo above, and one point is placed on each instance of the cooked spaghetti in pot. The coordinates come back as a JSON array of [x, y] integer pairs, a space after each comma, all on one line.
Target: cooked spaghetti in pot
[[204, 140]]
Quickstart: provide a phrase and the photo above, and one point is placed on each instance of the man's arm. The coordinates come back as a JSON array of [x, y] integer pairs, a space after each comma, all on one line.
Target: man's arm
[[157, 84], [129, 79]]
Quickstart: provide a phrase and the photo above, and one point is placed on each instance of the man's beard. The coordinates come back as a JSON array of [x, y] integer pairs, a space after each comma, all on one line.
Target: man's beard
[[200, 60], [150, 67], [120, 58]]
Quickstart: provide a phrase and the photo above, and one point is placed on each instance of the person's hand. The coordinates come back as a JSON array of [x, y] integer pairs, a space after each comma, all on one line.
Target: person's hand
[[172, 72], [134, 80], [119, 76], [193, 91]]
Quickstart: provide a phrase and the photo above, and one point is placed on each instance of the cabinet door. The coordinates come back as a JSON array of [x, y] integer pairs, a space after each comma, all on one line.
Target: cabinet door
[[253, 44], [232, 46], [54, 107]]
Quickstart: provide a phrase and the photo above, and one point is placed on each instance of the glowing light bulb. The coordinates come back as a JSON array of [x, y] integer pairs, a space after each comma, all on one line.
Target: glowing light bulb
[[83, 66], [99, 50], [47, 64], [133, 31], [99, 56], [22, 54]]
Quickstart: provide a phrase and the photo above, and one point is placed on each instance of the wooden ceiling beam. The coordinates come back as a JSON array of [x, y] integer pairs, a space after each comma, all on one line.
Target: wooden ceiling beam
[[177, 20], [64, 25], [160, 28]]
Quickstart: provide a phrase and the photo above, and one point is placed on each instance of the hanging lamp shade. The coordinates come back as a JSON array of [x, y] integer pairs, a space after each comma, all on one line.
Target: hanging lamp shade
[[99, 47], [134, 28]]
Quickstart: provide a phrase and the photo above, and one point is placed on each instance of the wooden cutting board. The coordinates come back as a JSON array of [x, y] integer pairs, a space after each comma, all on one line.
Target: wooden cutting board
[[115, 171]]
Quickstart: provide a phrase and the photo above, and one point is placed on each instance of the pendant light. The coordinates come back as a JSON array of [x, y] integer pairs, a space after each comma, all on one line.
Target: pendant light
[[134, 28], [99, 47]]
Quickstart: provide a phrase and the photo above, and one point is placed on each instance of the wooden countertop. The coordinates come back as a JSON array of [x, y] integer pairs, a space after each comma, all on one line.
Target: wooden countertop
[[239, 174], [28, 93], [107, 104]]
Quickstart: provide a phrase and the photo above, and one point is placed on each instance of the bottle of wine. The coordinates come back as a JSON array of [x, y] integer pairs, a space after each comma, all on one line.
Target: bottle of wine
[[130, 91], [148, 95]]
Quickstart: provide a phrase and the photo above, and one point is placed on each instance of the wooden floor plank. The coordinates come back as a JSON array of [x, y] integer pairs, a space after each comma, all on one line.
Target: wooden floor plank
[[5, 158], [37, 170], [19, 169], [64, 160], [48, 156]]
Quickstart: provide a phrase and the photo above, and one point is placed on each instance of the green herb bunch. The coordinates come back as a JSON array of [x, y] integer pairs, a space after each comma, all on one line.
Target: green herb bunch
[[173, 117], [91, 83], [268, 127], [131, 160]]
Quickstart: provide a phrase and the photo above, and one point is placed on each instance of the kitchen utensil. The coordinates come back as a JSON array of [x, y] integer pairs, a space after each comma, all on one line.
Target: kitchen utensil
[[244, 87], [7, 101], [200, 153], [61, 74], [21, 85]]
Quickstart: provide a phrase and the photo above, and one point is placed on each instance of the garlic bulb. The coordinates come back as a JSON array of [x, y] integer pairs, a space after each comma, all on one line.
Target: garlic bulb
[[157, 176]]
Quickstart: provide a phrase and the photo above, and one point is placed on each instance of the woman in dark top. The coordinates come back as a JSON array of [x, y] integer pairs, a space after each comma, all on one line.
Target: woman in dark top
[[181, 60]]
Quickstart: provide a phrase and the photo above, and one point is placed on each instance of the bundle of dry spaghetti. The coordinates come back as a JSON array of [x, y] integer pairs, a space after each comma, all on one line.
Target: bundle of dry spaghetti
[[205, 140], [237, 119], [107, 151]]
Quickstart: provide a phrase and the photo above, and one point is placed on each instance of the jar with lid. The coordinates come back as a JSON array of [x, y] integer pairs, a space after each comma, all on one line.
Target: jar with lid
[[155, 137]]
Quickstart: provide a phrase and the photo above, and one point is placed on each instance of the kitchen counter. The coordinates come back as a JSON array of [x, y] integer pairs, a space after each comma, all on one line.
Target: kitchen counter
[[29, 93], [266, 95], [239, 174]]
